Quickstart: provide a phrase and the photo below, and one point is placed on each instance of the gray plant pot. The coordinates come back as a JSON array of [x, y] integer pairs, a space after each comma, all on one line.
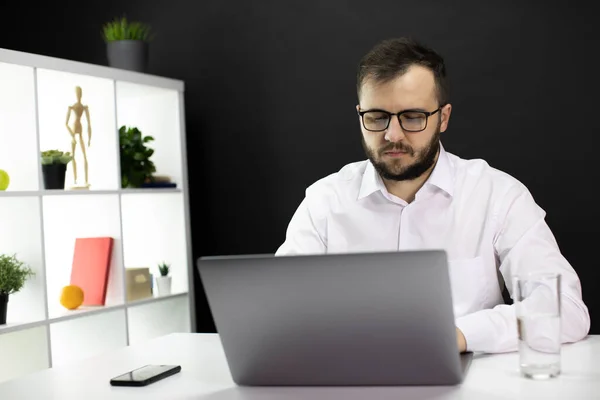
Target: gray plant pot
[[128, 54]]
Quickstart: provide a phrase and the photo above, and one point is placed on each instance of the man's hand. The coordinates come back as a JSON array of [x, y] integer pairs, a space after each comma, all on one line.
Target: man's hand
[[461, 341]]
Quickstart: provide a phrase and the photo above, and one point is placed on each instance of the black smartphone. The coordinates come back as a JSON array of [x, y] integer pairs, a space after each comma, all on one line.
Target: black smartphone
[[145, 375]]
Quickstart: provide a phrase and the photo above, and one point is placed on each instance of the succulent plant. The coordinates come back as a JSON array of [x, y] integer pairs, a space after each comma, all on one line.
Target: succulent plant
[[55, 157], [164, 269]]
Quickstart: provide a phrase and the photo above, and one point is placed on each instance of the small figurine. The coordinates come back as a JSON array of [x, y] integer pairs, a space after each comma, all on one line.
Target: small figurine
[[79, 109]]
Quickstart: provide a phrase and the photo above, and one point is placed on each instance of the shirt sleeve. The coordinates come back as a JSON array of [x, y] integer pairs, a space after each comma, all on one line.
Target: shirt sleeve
[[524, 243], [306, 231]]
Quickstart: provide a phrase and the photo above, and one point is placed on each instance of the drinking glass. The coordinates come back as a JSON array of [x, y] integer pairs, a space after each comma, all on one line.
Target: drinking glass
[[537, 306]]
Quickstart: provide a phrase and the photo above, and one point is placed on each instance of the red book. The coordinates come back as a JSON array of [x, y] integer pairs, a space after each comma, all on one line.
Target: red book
[[91, 263]]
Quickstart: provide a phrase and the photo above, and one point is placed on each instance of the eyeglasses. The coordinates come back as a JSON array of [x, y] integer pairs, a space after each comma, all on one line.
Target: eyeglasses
[[410, 120]]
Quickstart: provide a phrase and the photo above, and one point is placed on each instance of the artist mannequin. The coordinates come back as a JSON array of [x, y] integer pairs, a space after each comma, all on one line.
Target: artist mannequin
[[78, 109]]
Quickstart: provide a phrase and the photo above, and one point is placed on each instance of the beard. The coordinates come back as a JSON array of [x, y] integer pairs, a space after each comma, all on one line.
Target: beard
[[396, 170]]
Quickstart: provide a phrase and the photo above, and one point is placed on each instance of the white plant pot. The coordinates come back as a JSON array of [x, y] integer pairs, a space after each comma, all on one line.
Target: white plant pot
[[163, 283]]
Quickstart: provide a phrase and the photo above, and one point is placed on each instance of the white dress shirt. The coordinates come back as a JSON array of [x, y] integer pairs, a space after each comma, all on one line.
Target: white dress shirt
[[486, 220]]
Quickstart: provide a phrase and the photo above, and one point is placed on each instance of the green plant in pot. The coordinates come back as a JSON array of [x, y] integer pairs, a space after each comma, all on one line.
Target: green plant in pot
[[13, 274], [164, 280], [54, 168], [127, 44], [136, 166]]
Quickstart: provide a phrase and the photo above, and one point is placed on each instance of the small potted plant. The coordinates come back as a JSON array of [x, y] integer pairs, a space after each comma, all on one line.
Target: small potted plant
[[136, 166], [54, 168], [13, 274], [127, 44], [163, 282]]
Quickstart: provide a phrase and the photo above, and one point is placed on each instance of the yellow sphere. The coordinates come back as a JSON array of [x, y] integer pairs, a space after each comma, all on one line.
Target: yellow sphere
[[71, 297], [4, 180]]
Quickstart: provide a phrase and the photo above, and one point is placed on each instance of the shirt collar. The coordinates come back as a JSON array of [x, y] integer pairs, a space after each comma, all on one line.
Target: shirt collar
[[371, 182], [442, 177]]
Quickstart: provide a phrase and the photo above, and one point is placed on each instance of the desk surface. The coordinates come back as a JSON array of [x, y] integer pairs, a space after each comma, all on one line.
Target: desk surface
[[205, 375]]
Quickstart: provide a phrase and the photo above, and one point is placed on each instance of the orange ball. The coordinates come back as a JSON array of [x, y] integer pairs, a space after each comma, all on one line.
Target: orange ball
[[71, 297]]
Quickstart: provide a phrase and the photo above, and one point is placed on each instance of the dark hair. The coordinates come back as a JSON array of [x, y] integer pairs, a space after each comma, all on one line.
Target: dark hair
[[392, 58]]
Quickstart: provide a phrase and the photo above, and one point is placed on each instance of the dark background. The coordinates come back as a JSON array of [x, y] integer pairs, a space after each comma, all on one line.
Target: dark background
[[270, 97]]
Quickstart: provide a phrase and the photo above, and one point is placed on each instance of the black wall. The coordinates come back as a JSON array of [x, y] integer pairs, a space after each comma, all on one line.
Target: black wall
[[271, 94]]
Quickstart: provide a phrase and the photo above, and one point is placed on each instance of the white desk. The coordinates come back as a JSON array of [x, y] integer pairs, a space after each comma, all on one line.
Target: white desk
[[205, 375]]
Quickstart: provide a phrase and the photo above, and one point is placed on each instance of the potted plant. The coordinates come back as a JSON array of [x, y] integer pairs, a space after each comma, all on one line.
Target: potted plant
[[127, 44], [136, 166], [54, 168], [13, 274], [163, 282]]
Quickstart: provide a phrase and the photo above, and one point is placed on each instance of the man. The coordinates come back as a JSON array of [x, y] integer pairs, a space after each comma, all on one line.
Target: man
[[412, 194]]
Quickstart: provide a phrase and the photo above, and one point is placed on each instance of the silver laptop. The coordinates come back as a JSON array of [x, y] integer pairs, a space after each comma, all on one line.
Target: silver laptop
[[335, 320]]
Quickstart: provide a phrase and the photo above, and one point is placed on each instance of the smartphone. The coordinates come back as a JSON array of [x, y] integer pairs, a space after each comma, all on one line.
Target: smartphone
[[145, 375]]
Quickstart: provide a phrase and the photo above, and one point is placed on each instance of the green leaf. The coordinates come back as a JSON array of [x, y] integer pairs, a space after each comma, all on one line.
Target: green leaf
[[122, 29], [13, 274], [55, 157], [136, 165]]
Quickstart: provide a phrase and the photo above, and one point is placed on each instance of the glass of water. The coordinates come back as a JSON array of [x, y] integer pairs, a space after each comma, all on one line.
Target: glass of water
[[537, 306]]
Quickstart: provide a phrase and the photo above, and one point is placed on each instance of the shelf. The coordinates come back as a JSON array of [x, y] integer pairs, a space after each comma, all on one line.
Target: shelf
[[155, 299], [77, 67], [58, 192], [20, 326], [66, 315], [18, 152], [20, 193], [148, 225], [83, 311], [149, 190]]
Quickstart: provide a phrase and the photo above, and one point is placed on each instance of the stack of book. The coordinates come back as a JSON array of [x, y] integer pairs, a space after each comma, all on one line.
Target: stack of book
[[160, 181]]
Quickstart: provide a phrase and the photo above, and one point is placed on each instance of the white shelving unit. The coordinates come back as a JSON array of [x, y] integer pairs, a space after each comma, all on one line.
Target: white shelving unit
[[148, 225]]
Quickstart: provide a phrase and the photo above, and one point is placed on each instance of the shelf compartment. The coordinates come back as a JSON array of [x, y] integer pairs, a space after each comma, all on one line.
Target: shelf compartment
[[155, 112], [20, 235], [154, 231], [56, 92], [88, 336], [23, 352], [68, 217], [18, 152]]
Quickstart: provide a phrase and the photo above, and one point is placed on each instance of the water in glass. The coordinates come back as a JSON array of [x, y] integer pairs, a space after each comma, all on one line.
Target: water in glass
[[539, 345]]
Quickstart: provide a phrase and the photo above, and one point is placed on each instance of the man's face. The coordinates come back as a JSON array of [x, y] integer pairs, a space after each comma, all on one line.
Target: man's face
[[398, 154]]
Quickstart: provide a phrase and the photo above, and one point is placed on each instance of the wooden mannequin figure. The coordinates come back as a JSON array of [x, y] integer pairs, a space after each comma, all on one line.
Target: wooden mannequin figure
[[79, 109]]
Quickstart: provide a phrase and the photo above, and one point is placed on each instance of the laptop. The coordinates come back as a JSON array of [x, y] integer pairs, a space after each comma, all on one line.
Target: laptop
[[361, 319]]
